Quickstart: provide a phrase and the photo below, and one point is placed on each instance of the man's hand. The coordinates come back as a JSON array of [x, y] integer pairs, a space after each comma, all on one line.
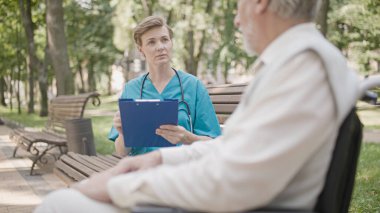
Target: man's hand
[[140, 162], [96, 186]]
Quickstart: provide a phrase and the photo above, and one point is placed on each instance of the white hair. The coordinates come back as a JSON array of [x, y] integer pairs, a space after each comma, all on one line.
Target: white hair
[[300, 9]]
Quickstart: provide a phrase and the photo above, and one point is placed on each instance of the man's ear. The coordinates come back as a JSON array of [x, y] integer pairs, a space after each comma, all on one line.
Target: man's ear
[[261, 6]]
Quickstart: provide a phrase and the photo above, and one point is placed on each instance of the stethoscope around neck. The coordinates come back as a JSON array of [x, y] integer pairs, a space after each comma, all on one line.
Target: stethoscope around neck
[[182, 101]]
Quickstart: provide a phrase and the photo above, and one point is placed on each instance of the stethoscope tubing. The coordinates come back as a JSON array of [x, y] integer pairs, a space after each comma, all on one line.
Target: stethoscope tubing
[[182, 95]]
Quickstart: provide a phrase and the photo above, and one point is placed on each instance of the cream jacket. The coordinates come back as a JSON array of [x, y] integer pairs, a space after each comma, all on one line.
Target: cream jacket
[[275, 148]]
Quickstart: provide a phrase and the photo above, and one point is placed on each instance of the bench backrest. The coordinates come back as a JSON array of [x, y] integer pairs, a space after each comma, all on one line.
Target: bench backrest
[[225, 99], [66, 107]]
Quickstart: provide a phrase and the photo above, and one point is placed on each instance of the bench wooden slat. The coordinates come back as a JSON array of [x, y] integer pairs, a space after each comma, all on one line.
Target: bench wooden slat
[[116, 156], [95, 161], [226, 90], [222, 118], [224, 108], [226, 85], [225, 99], [63, 170], [101, 161], [73, 104], [78, 166], [65, 115], [111, 160], [82, 160], [105, 160]]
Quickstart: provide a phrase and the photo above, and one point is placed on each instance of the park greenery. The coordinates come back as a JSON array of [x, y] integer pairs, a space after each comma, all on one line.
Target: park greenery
[[56, 47]]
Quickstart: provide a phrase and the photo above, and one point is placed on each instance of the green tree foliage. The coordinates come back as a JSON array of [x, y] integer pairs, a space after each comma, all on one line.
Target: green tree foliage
[[12, 54], [354, 27], [204, 33], [205, 39], [89, 34]]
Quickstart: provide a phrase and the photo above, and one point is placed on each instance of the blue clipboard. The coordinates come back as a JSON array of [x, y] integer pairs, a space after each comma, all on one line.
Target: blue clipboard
[[140, 119]]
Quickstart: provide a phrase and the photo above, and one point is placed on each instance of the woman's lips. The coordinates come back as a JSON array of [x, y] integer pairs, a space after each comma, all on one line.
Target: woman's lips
[[162, 55]]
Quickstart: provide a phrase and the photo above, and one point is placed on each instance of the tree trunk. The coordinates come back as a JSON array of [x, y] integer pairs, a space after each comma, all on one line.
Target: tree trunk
[[225, 71], [32, 60], [11, 91], [19, 64], [58, 47], [109, 85], [80, 71], [197, 58], [193, 59], [2, 91], [43, 80], [18, 58], [91, 76], [43, 85], [189, 63], [322, 16], [18, 90]]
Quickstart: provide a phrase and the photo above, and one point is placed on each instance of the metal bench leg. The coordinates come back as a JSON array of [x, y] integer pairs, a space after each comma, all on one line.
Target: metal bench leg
[[18, 141], [15, 150], [37, 154], [40, 157]]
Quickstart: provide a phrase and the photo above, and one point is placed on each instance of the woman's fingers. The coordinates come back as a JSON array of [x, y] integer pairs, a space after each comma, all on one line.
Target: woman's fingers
[[171, 136], [172, 128]]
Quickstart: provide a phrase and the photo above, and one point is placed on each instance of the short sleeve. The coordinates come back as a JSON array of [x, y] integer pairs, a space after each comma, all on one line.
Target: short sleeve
[[113, 134], [205, 120]]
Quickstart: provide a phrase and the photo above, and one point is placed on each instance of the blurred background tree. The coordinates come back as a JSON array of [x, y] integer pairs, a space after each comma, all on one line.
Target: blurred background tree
[[354, 26], [96, 39]]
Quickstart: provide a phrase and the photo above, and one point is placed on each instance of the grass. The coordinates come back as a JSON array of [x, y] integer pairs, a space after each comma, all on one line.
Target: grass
[[30, 120], [101, 126], [366, 195]]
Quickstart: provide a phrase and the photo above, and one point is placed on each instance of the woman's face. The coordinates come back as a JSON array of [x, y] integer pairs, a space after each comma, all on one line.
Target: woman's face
[[156, 46]]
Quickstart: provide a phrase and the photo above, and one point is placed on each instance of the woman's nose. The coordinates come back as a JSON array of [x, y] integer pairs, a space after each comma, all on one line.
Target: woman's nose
[[160, 46]]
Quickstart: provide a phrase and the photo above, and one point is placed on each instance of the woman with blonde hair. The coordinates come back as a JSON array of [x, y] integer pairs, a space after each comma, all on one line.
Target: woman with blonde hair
[[196, 116]]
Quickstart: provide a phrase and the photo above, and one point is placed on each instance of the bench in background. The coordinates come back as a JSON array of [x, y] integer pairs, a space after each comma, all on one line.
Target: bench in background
[[74, 167], [61, 108]]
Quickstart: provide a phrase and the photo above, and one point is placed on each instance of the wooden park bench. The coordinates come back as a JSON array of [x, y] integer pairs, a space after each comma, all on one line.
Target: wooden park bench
[[39, 143], [74, 167]]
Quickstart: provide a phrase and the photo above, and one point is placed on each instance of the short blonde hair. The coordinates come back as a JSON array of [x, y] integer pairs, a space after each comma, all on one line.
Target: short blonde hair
[[147, 24], [305, 9]]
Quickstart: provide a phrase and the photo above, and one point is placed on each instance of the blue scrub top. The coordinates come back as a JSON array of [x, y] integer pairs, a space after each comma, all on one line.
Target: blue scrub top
[[202, 111]]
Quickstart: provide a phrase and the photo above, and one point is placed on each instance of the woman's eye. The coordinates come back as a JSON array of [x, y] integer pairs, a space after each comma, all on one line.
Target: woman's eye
[[150, 42]]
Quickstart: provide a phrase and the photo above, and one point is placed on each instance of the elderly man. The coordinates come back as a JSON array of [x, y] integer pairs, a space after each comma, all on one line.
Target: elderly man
[[276, 147]]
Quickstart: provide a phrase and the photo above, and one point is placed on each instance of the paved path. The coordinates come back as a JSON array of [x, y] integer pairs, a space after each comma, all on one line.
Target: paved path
[[371, 135], [20, 192]]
